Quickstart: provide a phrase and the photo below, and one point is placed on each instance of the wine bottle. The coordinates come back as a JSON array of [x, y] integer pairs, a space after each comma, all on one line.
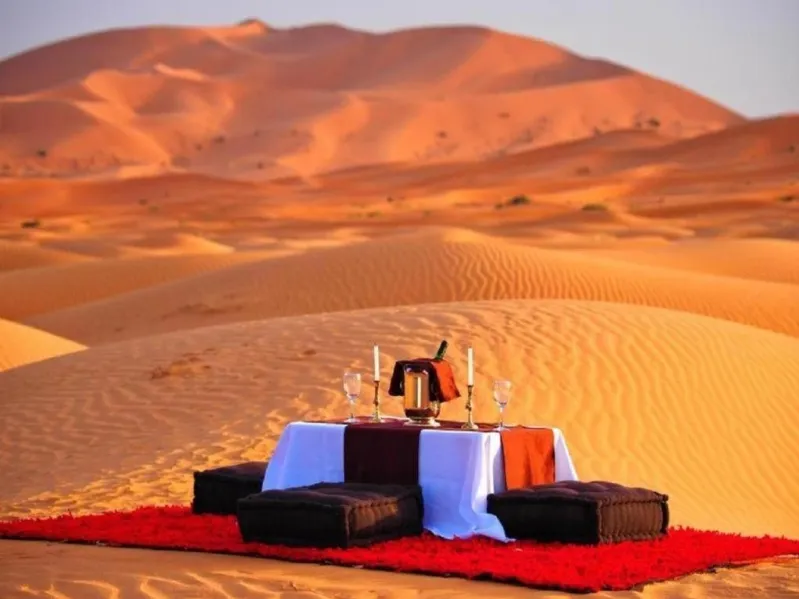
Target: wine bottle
[[442, 349]]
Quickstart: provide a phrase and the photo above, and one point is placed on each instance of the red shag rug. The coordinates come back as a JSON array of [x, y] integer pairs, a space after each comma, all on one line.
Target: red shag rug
[[571, 568]]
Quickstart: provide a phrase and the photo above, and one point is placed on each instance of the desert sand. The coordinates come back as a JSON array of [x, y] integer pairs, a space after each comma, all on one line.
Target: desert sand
[[201, 229]]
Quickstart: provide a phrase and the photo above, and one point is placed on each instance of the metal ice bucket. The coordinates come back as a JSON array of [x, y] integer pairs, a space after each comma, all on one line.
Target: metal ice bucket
[[419, 408]]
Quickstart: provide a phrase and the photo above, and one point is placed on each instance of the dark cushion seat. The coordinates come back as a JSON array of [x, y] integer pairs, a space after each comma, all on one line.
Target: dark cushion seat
[[332, 514], [217, 491], [581, 512]]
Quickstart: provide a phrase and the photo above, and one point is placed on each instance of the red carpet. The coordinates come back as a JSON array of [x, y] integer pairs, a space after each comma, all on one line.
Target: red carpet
[[564, 567]]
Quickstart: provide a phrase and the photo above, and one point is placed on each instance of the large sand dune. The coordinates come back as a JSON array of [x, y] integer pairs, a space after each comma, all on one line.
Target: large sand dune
[[336, 98], [436, 265], [229, 217]]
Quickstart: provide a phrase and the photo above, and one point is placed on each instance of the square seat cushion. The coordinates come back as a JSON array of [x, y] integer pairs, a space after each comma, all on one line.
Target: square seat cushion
[[332, 514], [581, 512], [217, 491]]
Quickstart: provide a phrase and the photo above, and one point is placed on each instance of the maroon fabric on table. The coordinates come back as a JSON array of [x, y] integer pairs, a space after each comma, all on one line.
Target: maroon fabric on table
[[381, 453]]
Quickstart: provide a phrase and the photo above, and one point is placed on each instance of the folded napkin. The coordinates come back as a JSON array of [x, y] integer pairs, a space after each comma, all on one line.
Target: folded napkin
[[442, 379]]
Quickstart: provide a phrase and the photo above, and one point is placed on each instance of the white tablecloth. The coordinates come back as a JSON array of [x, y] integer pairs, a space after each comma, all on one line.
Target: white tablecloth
[[457, 471]]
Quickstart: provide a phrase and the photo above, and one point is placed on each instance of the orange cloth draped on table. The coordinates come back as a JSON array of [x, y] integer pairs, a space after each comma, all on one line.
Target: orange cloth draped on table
[[529, 455]]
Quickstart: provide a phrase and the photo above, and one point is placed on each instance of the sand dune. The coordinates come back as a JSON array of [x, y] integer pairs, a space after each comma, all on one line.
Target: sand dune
[[16, 256], [20, 345], [181, 244], [765, 137], [618, 379], [337, 98], [773, 260], [436, 265], [34, 291]]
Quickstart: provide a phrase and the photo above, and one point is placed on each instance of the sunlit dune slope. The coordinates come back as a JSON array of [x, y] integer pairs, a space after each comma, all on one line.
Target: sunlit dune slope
[[774, 260], [336, 98], [433, 265], [34, 291], [669, 400], [20, 345], [778, 135]]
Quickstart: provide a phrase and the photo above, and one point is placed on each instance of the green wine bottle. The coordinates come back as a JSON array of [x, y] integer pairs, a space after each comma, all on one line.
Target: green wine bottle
[[442, 349]]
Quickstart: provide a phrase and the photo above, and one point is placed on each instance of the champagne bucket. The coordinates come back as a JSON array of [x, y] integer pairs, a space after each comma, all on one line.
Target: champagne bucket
[[419, 409]]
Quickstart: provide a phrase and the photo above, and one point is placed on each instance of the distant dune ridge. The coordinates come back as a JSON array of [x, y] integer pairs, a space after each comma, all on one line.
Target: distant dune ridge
[[202, 228], [247, 99]]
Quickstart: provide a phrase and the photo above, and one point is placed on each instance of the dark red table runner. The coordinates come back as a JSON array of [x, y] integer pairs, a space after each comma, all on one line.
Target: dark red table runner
[[381, 453], [388, 453]]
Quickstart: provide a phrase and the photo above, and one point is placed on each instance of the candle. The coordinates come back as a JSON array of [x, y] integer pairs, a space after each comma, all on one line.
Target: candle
[[470, 371], [377, 362], [418, 392]]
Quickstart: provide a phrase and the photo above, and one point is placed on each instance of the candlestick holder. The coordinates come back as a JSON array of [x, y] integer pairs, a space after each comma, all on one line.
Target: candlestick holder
[[469, 424], [376, 417]]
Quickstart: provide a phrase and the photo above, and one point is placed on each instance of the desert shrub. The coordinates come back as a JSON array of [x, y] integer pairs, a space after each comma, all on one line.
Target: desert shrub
[[33, 223], [519, 200]]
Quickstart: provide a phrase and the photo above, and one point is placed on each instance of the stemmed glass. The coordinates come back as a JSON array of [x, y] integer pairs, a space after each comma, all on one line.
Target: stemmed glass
[[502, 391], [352, 387]]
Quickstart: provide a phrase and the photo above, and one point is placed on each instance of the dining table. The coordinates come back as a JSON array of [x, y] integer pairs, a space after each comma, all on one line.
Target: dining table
[[456, 468]]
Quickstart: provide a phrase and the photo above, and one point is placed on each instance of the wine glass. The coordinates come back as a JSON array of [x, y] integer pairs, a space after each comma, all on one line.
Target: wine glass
[[502, 391], [352, 387]]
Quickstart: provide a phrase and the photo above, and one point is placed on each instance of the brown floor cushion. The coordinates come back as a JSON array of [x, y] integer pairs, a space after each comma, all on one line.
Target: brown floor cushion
[[332, 514], [218, 490], [581, 512]]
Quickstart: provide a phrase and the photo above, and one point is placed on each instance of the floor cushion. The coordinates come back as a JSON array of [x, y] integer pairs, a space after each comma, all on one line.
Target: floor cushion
[[218, 490], [332, 514], [581, 512]]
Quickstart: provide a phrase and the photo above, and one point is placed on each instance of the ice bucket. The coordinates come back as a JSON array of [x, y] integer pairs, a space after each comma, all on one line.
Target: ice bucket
[[419, 408]]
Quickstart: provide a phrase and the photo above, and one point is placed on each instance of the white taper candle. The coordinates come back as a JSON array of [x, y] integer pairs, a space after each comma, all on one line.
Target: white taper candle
[[470, 369], [377, 362]]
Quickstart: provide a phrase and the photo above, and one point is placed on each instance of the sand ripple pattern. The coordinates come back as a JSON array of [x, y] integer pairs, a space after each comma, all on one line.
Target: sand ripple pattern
[[134, 574], [436, 265]]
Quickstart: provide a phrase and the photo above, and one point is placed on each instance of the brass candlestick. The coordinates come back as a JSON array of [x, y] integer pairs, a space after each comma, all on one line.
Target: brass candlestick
[[469, 424], [376, 417]]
